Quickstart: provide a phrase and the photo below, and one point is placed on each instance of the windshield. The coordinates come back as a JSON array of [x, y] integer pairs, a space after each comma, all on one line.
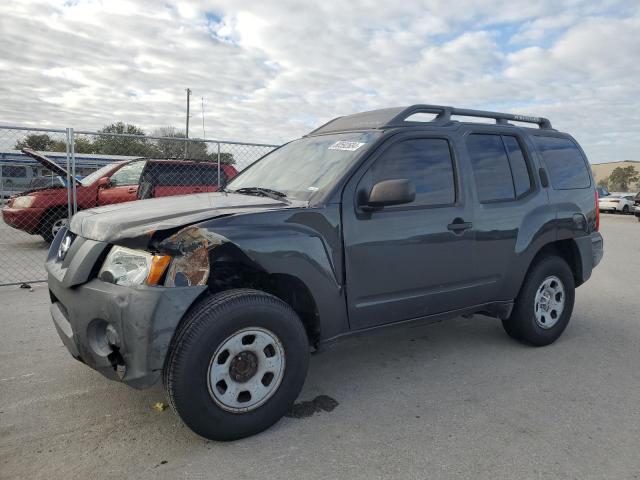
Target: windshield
[[92, 177], [301, 168]]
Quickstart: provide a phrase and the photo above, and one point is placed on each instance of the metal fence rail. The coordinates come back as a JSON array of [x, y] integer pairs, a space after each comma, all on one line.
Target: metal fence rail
[[91, 169]]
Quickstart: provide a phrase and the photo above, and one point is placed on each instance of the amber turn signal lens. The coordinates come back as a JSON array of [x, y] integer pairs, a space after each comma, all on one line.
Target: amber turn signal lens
[[159, 264]]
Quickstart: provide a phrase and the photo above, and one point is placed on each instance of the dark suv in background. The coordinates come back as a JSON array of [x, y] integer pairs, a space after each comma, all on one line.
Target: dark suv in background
[[372, 220]]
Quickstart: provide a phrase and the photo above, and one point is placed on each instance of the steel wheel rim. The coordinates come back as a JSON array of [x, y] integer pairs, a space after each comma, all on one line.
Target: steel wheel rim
[[549, 302], [246, 370], [57, 225]]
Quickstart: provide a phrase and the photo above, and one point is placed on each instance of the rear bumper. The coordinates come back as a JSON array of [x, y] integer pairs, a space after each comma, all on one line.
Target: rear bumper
[[122, 332], [27, 219]]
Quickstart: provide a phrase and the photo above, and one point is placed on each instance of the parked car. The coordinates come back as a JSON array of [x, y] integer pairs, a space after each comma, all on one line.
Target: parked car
[[617, 204], [369, 221], [602, 192], [43, 211]]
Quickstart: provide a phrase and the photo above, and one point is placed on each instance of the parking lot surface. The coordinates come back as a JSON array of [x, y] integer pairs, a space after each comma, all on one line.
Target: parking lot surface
[[456, 399]]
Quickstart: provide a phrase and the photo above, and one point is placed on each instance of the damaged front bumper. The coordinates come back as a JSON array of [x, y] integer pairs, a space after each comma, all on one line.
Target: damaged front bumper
[[122, 332]]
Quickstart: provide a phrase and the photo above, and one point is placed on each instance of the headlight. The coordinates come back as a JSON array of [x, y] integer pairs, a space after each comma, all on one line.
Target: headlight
[[23, 202], [125, 266]]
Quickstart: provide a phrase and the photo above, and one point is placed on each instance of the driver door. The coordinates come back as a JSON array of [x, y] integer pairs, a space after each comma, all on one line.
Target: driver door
[[124, 184], [408, 261]]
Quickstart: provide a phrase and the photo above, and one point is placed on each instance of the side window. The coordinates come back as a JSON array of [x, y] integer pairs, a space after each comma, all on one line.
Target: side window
[[566, 165], [499, 167], [15, 172], [210, 174], [490, 167], [128, 174], [519, 170], [426, 162]]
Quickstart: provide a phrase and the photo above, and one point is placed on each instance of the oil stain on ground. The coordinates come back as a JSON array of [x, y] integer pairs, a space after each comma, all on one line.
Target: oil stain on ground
[[322, 403]]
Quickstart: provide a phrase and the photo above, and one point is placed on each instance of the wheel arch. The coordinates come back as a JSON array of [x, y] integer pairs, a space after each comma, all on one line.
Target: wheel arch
[[566, 249]]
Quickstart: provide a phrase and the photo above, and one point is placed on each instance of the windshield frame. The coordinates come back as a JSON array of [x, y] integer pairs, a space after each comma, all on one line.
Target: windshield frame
[[341, 175]]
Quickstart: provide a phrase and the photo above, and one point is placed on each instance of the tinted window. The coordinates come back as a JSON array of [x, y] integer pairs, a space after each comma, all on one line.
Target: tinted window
[[128, 175], [11, 171], [521, 179], [426, 162], [567, 168], [490, 167], [176, 174]]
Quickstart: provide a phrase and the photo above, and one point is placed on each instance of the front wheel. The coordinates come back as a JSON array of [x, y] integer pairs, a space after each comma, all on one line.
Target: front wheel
[[545, 303], [625, 210], [237, 364]]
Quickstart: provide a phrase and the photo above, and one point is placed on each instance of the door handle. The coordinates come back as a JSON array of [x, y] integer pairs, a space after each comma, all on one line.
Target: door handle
[[132, 190], [458, 225]]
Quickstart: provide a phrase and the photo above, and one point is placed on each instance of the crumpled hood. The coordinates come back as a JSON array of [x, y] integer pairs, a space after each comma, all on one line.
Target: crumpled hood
[[129, 220]]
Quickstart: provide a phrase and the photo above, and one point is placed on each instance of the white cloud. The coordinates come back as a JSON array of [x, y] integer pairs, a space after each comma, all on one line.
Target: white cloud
[[271, 71]]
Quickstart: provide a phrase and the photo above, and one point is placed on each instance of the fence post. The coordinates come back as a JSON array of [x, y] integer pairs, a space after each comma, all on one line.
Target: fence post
[[69, 188], [219, 183], [72, 146]]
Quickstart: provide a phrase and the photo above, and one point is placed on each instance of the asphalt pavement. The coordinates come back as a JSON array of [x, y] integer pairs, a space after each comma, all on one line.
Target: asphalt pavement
[[454, 400]]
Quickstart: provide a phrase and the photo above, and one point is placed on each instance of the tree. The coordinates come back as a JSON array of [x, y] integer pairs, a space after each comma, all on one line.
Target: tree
[[622, 177], [135, 145], [604, 182], [196, 149], [41, 142]]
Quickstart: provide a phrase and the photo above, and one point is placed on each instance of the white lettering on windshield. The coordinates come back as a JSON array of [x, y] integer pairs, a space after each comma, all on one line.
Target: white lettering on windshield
[[345, 145]]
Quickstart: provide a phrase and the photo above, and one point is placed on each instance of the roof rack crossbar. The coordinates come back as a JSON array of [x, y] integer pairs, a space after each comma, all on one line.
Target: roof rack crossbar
[[444, 115]]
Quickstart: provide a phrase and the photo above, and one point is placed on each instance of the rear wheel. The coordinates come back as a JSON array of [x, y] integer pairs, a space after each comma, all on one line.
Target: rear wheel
[[237, 364], [545, 303], [625, 210]]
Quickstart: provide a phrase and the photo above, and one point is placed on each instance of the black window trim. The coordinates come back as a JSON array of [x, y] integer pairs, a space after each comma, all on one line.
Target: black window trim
[[525, 153], [457, 190]]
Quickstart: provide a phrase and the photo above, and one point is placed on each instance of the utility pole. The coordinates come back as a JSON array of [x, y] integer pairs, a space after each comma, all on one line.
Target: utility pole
[[186, 142]]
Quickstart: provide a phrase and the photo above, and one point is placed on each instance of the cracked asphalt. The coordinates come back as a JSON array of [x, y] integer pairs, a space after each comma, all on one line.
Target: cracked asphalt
[[451, 400]]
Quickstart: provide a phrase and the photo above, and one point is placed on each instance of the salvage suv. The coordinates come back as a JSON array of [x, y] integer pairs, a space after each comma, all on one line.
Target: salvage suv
[[375, 219]]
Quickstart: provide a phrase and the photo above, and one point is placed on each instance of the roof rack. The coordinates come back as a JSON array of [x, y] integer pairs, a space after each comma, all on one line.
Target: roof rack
[[397, 117]]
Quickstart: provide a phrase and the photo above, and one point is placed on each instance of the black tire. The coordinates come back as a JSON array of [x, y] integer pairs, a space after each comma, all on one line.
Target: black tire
[[625, 210], [46, 226], [522, 324], [205, 327]]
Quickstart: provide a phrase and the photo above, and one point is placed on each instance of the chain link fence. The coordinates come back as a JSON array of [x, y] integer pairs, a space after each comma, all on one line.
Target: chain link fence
[[46, 175]]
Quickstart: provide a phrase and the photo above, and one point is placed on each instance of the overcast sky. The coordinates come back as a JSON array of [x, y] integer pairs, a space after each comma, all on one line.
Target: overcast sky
[[272, 71]]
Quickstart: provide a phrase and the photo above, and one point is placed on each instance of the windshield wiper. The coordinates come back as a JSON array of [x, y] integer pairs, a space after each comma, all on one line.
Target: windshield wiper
[[266, 192]]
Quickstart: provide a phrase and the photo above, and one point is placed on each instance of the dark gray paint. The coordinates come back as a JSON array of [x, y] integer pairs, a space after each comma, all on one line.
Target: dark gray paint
[[364, 269]]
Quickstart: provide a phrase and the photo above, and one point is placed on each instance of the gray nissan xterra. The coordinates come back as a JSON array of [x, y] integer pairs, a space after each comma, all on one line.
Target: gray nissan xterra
[[372, 220]]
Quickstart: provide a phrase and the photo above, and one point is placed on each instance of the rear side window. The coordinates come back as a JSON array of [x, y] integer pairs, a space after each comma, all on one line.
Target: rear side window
[[499, 167], [567, 167], [426, 162]]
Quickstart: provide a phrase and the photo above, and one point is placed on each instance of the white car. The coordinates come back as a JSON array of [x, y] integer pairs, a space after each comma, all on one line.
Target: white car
[[616, 203]]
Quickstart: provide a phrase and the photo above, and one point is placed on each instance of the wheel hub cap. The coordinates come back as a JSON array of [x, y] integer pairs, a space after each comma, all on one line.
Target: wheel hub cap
[[549, 302], [246, 370], [243, 366]]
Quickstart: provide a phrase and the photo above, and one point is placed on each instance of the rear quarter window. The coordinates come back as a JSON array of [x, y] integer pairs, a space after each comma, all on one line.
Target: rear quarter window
[[565, 164]]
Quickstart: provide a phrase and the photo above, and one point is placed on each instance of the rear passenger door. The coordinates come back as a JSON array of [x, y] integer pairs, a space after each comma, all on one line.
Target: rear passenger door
[[508, 204]]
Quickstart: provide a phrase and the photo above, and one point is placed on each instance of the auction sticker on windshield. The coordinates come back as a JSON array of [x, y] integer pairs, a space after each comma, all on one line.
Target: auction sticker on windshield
[[345, 145]]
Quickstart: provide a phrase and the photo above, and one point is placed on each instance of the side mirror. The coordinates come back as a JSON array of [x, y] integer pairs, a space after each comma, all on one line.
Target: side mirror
[[104, 182], [390, 192]]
